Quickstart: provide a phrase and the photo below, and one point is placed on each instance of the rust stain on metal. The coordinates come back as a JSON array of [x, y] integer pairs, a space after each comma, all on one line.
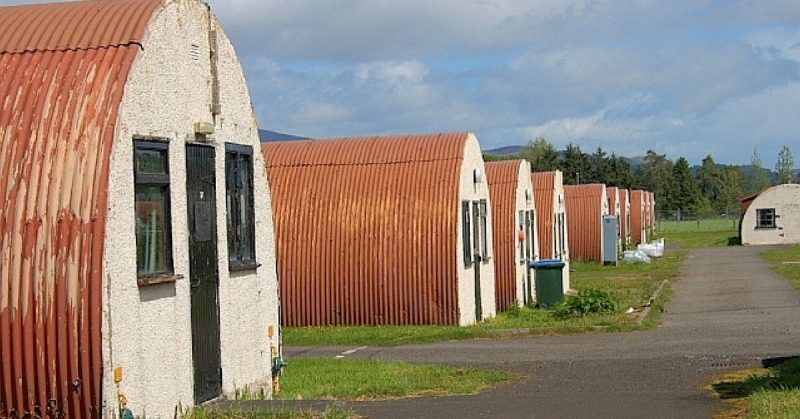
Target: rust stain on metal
[[613, 200], [503, 181], [585, 211], [638, 219], [544, 189], [64, 70], [366, 228]]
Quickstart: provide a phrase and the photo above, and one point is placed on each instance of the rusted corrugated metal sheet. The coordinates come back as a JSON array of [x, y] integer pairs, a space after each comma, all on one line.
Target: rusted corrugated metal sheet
[[503, 180], [74, 25], [637, 217], [585, 211], [59, 100], [613, 200], [543, 192], [366, 228]]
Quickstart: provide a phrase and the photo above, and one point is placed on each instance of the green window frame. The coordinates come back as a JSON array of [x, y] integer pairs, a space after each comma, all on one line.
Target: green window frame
[[239, 203], [153, 220]]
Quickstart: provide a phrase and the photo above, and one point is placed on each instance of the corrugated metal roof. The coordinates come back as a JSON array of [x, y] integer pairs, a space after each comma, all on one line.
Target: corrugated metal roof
[[58, 111], [366, 228], [74, 25], [585, 211], [613, 200], [543, 192], [503, 180]]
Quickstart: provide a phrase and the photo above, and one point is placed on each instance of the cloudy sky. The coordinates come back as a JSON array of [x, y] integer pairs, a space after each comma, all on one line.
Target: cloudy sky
[[681, 77]]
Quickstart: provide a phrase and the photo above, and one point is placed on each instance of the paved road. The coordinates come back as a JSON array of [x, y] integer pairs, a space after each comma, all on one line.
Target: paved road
[[728, 311]]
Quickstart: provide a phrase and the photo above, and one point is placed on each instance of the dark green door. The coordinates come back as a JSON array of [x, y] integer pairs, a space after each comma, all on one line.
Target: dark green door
[[201, 204], [476, 260]]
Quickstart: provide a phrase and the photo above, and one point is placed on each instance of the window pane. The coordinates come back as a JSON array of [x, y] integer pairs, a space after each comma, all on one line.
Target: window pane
[[152, 241], [150, 161], [239, 202], [465, 232]]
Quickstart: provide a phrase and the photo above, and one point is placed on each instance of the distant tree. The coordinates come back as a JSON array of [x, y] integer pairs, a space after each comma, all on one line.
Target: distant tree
[[731, 191], [487, 157], [541, 154], [759, 176], [575, 165], [619, 172], [785, 166], [685, 197], [708, 178], [600, 166], [658, 178]]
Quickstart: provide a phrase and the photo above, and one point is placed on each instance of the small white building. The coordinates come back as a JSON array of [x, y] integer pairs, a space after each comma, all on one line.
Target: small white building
[[771, 216], [552, 227], [514, 230], [382, 230], [136, 218]]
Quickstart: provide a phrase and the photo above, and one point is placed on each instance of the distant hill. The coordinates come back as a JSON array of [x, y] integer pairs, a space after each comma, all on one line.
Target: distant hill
[[505, 151], [510, 150], [268, 136]]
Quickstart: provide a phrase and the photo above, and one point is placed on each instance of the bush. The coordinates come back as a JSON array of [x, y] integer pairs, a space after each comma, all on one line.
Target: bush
[[514, 310], [587, 302]]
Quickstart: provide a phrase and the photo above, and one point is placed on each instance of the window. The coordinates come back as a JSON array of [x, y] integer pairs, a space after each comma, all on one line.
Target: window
[[465, 233], [531, 219], [522, 222], [239, 203], [765, 218], [153, 222], [484, 230]]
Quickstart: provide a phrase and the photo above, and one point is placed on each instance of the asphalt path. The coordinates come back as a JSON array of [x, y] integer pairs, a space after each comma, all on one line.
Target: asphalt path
[[728, 311]]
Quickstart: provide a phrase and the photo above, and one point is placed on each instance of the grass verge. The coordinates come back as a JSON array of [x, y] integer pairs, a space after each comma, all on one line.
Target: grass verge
[[786, 262], [629, 285], [760, 393], [331, 412], [692, 239], [350, 379]]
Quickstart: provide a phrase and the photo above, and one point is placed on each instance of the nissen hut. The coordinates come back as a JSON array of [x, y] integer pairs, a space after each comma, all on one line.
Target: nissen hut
[[638, 218], [625, 217], [771, 216], [615, 209], [382, 230], [514, 231], [137, 268], [551, 211], [586, 206]]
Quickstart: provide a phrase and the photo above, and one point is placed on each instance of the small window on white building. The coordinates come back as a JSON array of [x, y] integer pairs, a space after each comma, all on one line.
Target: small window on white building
[[765, 218], [240, 207], [465, 233], [151, 197], [522, 223], [484, 230]]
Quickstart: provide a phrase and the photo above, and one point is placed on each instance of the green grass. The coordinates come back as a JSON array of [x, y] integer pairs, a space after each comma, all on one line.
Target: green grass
[[716, 224], [763, 393], [629, 285], [779, 257], [690, 239], [203, 412], [327, 379]]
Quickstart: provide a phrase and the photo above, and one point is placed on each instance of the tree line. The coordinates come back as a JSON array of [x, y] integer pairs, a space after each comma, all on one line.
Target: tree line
[[711, 189]]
